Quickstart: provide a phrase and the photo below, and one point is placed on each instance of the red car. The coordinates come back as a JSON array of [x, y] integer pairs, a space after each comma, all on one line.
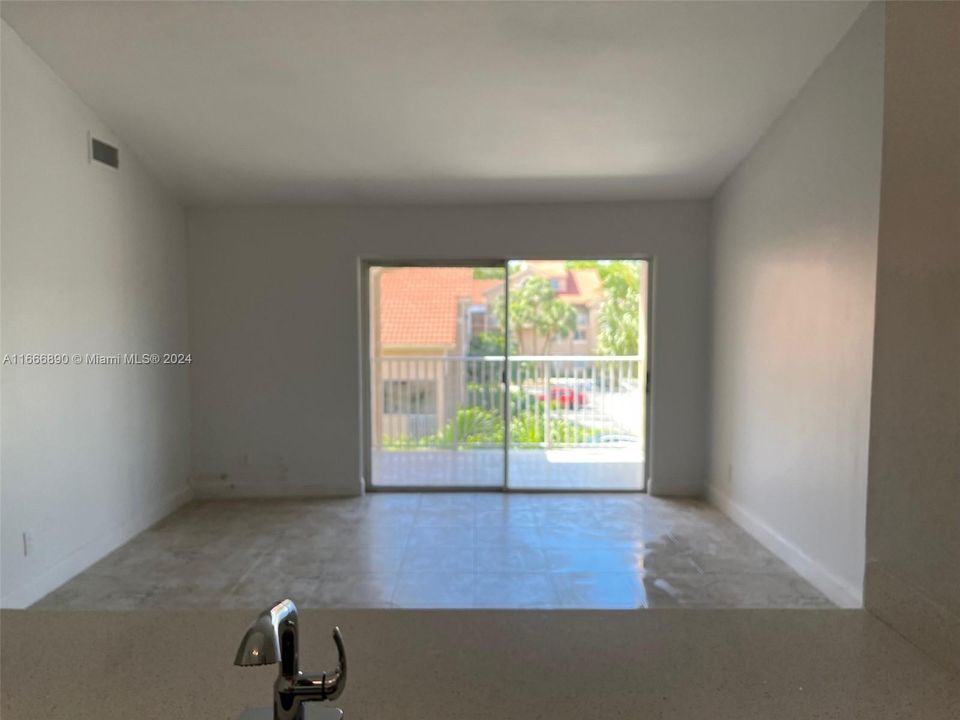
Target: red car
[[565, 397]]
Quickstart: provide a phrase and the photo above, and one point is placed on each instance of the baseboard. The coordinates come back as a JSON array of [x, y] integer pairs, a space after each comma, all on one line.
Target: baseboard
[[86, 555], [839, 591], [208, 489]]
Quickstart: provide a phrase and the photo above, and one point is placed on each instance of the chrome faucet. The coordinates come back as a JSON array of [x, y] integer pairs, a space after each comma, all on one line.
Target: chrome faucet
[[273, 638]]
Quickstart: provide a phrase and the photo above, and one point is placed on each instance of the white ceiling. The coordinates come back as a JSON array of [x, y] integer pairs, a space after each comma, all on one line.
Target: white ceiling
[[421, 102]]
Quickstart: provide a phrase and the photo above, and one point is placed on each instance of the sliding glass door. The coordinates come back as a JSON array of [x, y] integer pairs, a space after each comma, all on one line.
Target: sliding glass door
[[578, 373], [436, 368], [528, 375]]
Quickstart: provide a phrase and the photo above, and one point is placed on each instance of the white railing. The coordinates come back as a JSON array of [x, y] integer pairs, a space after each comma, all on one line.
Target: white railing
[[554, 401]]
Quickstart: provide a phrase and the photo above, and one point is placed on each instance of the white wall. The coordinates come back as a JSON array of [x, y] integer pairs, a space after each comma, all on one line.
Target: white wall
[[913, 517], [275, 318], [94, 260], [795, 247]]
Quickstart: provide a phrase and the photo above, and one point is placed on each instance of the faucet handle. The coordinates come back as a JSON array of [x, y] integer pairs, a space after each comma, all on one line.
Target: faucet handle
[[341, 651], [335, 682]]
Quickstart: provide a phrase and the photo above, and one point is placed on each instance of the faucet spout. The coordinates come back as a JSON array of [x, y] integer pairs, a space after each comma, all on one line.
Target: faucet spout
[[273, 637]]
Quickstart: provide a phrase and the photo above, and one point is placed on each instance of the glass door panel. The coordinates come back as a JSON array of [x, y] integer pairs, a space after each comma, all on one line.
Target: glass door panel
[[436, 371], [577, 368]]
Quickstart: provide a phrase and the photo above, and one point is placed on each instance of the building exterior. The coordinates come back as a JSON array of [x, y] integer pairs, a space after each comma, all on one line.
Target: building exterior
[[423, 320], [580, 288]]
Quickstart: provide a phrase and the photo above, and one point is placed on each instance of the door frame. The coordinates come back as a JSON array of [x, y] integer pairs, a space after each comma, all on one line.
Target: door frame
[[366, 398]]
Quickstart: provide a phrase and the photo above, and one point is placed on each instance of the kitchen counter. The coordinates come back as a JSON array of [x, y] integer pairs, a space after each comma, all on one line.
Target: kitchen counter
[[406, 665]]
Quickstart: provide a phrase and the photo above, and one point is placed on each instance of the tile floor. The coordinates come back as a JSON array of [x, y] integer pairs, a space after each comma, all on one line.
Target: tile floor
[[436, 550]]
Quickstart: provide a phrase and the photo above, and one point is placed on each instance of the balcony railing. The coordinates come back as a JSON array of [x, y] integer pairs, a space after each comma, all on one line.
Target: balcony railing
[[460, 403]]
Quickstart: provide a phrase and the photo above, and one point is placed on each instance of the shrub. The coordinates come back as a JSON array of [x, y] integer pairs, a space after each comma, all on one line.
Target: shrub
[[481, 427]]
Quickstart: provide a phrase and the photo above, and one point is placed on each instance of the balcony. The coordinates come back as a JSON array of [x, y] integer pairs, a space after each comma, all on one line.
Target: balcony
[[567, 422]]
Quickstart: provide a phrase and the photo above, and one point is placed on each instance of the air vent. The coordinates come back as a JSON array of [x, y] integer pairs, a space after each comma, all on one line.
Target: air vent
[[104, 153]]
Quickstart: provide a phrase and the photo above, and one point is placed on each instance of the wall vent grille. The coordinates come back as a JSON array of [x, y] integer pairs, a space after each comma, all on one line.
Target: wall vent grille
[[104, 153]]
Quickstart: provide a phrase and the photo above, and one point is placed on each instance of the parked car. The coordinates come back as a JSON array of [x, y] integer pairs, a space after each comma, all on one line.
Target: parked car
[[565, 397]]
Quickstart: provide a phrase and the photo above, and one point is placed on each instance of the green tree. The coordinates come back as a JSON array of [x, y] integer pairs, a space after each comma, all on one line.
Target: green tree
[[488, 273], [534, 305], [487, 343], [619, 321]]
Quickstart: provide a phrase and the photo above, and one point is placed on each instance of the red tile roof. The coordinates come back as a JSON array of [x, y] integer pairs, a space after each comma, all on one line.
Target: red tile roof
[[583, 287], [420, 305]]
